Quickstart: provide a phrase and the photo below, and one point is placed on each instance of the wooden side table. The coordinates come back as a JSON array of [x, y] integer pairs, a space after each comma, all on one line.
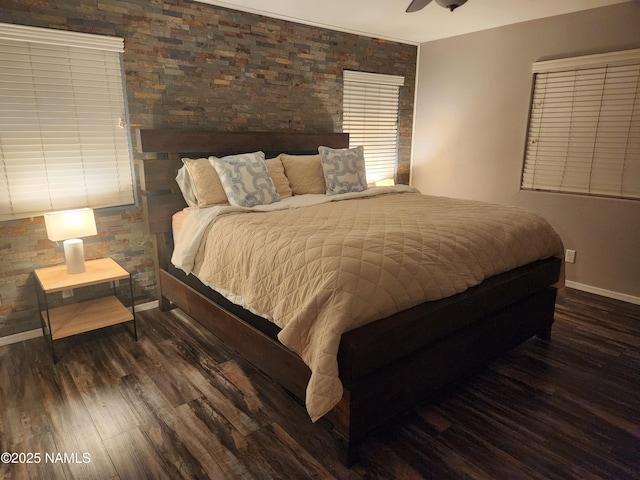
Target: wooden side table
[[88, 315]]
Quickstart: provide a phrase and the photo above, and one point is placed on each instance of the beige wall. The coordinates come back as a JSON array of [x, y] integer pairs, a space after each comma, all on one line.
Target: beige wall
[[471, 119]]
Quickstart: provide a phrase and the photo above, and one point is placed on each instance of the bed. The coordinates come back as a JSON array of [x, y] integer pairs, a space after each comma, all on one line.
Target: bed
[[382, 367]]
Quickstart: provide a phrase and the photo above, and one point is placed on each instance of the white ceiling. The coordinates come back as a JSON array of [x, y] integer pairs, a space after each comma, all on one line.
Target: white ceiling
[[387, 18]]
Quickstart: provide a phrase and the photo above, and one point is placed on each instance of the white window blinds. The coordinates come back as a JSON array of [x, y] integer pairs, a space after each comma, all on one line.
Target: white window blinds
[[370, 116], [64, 142], [584, 126]]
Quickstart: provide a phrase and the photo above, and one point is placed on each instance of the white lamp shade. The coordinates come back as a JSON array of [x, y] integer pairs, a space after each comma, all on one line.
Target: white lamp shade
[[70, 224]]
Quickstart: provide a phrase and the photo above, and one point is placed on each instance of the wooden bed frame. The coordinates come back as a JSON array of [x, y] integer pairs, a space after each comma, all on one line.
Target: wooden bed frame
[[387, 367]]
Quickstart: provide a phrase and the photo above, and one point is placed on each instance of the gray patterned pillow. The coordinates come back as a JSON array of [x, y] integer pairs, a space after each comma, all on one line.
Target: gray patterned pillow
[[245, 179], [344, 169]]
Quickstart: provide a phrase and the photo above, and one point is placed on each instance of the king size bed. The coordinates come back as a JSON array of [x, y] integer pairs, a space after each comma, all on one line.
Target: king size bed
[[361, 302]]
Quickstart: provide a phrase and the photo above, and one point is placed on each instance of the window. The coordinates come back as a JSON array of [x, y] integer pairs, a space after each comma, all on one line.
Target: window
[[64, 142], [584, 126], [371, 118]]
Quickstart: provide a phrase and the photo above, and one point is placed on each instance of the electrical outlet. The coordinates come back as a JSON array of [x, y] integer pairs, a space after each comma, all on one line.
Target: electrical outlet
[[67, 293], [570, 256]]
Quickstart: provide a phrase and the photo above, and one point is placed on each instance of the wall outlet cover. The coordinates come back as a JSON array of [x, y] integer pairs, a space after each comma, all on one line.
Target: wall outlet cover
[[570, 256]]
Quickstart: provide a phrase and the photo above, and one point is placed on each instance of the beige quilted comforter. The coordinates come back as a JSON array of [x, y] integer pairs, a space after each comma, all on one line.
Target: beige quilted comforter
[[321, 270]]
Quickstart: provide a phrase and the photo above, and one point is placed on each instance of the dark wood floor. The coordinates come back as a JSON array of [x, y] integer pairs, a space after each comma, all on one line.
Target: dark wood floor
[[179, 404]]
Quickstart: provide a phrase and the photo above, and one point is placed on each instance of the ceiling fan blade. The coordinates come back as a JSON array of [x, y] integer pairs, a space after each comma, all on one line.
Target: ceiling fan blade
[[416, 5]]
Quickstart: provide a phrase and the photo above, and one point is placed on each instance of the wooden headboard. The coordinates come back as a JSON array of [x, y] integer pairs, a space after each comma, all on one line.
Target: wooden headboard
[[161, 196], [226, 143]]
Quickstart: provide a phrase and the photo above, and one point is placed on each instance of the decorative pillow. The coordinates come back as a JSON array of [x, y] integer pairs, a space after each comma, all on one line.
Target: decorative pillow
[[245, 179], [204, 182], [344, 169], [304, 173], [280, 180]]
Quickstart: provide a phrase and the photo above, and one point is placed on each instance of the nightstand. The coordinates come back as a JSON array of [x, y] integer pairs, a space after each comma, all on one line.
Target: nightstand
[[88, 315]]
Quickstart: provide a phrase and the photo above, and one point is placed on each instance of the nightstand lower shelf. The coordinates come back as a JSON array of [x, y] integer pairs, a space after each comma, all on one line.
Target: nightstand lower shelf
[[83, 317]]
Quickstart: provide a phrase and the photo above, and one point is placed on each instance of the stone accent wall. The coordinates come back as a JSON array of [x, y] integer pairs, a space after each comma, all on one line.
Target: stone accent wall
[[189, 64]]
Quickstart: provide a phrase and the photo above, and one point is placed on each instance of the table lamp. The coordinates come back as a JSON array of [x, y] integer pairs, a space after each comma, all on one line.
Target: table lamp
[[69, 225]]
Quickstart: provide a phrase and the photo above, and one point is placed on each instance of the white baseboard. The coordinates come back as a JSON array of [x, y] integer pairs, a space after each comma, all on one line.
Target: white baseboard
[[602, 292], [19, 337], [147, 306], [37, 332]]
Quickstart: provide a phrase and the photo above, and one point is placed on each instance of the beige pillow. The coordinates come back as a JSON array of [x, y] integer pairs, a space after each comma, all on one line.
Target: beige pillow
[[280, 180], [304, 172], [206, 182]]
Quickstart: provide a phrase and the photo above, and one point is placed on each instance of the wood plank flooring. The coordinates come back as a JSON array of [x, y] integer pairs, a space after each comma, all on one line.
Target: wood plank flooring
[[179, 404]]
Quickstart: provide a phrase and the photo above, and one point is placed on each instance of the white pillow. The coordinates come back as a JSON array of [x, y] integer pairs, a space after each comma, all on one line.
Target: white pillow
[[184, 182], [344, 169], [245, 179]]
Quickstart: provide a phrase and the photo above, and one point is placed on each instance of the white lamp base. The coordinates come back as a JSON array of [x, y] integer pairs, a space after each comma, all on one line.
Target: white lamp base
[[74, 255]]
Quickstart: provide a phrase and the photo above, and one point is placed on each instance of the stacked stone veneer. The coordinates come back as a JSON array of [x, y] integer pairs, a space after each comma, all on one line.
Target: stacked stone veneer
[[189, 64]]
